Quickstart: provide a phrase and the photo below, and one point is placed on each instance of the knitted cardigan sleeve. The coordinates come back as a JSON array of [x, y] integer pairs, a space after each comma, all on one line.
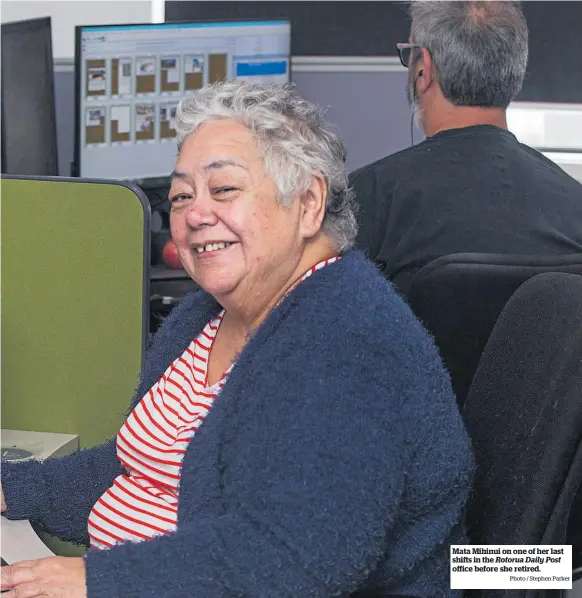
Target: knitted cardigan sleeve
[[59, 493]]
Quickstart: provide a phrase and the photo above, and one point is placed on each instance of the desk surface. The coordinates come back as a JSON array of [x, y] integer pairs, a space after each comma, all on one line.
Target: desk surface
[[19, 542], [163, 273], [40, 444]]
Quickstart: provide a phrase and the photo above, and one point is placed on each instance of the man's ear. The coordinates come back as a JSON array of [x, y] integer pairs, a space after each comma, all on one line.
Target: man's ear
[[313, 207], [424, 71]]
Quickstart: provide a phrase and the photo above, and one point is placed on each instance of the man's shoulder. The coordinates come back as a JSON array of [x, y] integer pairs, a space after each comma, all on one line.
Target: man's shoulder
[[386, 166], [555, 170]]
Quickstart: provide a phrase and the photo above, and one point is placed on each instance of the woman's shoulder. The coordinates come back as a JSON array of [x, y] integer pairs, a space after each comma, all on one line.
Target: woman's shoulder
[[354, 293], [348, 315]]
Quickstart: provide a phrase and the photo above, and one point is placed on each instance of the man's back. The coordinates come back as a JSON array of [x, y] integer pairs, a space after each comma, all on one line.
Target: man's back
[[475, 189]]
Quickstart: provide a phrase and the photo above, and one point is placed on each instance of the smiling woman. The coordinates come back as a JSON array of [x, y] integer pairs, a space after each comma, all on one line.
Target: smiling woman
[[293, 427], [235, 239]]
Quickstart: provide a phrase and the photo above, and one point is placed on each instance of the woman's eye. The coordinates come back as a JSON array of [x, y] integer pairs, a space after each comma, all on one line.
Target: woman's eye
[[178, 197], [223, 190]]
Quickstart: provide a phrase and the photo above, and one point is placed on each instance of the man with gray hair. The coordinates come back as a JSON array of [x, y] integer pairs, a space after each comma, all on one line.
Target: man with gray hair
[[470, 186]]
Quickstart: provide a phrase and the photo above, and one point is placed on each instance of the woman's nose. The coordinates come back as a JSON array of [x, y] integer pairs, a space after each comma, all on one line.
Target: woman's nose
[[200, 212]]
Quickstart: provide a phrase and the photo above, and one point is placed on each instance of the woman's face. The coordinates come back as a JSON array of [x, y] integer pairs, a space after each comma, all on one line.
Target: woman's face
[[234, 239]]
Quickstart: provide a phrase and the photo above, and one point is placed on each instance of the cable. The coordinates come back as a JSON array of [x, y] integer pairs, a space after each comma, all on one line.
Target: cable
[[412, 112]]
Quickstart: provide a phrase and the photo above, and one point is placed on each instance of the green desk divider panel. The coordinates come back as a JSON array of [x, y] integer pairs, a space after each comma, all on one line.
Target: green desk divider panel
[[75, 303]]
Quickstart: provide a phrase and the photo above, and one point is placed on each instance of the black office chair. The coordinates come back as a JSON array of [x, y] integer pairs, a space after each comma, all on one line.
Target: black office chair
[[459, 297], [524, 416]]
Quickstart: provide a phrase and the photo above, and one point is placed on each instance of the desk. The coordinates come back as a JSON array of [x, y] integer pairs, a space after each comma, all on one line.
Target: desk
[[20, 542], [40, 444], [167, 288], [169, 282], [162, 277]]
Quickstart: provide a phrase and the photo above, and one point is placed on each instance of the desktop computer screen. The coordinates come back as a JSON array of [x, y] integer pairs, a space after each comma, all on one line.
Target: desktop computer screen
[[130, 78], [28, 128]]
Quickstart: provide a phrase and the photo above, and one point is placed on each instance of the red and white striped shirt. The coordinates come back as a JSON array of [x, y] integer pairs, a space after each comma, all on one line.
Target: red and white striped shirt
[[151, 444]]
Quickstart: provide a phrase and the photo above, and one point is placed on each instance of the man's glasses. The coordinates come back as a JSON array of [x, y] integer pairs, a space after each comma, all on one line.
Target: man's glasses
[[405, 52]]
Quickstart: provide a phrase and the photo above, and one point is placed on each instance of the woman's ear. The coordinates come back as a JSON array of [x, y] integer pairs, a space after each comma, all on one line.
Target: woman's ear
[[313, 203]]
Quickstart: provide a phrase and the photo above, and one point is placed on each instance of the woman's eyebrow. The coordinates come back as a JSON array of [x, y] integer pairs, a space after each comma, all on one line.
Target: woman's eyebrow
[[213, 165], [217, 164]]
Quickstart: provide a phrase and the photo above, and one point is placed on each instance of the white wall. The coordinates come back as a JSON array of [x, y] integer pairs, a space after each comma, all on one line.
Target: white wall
[[553, 129], [547, 126], [65, 14]]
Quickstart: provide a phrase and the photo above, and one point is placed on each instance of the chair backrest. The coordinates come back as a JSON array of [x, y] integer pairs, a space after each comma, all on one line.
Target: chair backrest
[[75, 303], [459, 297], [524, 416]]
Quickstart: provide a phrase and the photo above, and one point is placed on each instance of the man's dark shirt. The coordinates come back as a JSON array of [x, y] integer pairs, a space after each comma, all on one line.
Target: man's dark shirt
[[475, 189]]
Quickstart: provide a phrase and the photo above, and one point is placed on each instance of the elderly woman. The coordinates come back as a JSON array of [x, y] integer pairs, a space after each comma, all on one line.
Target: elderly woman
[[294, 432]]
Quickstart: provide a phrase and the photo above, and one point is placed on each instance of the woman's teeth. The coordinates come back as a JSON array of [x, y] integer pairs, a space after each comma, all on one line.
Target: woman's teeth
[[212, 247]]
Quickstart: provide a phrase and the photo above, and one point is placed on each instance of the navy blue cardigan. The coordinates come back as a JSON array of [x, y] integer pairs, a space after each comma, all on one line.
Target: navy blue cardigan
[[333, 463]]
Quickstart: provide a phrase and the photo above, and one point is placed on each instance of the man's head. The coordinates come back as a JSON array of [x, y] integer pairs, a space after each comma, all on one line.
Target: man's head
[[469, 60]]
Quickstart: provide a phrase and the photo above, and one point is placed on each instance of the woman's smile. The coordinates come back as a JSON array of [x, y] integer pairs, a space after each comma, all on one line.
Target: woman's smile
[[212, 249]]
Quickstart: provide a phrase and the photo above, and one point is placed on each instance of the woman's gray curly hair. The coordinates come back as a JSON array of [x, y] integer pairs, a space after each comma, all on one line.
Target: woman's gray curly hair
[[294, 141]]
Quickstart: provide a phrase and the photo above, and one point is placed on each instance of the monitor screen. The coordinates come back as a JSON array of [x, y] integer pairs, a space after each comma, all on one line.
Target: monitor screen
[[29, 136], [130, 78]]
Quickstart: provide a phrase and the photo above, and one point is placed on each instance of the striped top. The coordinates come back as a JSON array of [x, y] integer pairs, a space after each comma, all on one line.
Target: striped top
[[143, 501]]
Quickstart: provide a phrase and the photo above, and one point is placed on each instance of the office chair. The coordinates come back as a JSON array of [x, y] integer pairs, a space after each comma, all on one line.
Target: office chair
[[524, 416], [459, 297]]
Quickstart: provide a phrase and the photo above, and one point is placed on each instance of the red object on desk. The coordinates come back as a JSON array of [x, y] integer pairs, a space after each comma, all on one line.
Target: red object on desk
[[170, 255]]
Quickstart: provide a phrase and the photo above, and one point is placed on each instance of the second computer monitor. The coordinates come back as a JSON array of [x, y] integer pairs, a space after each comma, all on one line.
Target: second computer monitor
[[28, 130], [130, 78]]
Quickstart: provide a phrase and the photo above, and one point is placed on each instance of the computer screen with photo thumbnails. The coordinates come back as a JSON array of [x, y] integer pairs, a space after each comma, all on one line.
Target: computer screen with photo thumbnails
[[130, 78]]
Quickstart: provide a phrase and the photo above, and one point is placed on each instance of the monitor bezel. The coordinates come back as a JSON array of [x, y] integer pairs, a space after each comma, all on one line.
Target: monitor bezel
[[43, 24], [76, 165]]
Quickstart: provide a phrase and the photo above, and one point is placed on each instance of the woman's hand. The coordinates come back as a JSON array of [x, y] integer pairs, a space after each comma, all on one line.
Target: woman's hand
[[52, 577], [3, 506]]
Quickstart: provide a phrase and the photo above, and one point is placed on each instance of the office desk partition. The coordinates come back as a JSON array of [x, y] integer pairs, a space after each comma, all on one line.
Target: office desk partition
[[75, 303]]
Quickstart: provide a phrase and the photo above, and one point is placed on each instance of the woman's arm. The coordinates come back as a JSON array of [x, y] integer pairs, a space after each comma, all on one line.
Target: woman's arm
[[59, 493]]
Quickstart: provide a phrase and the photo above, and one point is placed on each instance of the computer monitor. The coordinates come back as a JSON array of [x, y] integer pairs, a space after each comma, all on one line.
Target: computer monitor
[[29, 136], [130, 78]]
